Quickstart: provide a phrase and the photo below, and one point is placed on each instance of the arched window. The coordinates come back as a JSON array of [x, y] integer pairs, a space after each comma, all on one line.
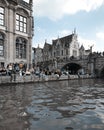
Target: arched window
[[1, 44], [21, 48]]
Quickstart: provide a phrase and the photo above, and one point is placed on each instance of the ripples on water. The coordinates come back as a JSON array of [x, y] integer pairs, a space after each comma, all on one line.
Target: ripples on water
[[62, 105]]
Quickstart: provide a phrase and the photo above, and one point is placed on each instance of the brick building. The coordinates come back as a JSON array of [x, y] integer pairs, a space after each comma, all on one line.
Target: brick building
[[16, 32]]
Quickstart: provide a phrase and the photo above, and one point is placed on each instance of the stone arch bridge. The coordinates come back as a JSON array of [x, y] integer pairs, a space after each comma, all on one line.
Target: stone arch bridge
[[91, 65]]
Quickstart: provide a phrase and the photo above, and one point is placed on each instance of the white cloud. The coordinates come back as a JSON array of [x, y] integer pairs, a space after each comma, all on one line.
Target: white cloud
[[87, 43], [40, 30], [56, 9], [100, 35], [100, 41], [64, 32]]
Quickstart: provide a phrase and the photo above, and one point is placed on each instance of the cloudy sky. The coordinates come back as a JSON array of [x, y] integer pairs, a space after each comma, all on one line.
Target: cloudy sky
[[58, 18]]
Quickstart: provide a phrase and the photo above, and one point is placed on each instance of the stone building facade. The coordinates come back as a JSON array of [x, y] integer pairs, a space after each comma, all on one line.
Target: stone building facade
[[83, 54], [37, 55], [61, 48], [16, 32], [65, 47], [47, 52]]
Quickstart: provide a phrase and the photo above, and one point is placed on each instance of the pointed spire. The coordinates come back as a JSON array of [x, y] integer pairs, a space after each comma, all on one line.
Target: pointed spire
[[45, 40], [74, 30], [82, 47], [58, 38]]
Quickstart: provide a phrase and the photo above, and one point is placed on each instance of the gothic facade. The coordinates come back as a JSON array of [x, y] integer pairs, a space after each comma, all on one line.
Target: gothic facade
[[84, 53], [61, 48], [65, 47], [16, 32], [37, 55]]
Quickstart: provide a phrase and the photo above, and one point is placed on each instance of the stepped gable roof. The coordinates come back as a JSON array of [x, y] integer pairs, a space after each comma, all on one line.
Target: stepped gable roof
[[66, 39], [47, 45]]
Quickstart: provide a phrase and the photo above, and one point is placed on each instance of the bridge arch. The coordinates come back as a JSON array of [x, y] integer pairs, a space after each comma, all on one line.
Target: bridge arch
[[72, 68]]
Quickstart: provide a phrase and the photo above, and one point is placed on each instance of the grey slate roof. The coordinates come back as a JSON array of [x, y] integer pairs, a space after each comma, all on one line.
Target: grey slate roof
[[64, 40]]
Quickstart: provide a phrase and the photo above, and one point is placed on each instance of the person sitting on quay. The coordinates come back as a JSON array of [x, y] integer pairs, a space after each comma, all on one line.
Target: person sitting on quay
[[3, 71]]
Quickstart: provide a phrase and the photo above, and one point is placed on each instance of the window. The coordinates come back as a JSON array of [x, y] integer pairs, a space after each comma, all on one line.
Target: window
[[62, 52], [1, 16], [21, 48], [58, 53], [54, 54], [1, 44], [74, 53], [21, 23], [66, 51]]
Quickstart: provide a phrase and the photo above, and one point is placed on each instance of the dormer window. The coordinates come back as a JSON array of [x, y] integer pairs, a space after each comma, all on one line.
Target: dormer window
[[21, 23], [1, 16]]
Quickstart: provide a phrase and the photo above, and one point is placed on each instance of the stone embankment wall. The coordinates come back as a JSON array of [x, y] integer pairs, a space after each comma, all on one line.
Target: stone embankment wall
[[32, 78]]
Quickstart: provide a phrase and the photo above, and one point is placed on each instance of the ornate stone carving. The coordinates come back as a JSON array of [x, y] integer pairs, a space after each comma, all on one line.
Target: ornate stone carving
[[13, 2], [22, 11], [2, 2]]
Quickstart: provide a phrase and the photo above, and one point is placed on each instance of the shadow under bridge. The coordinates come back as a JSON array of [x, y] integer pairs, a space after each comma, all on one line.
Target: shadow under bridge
[[72, 68]]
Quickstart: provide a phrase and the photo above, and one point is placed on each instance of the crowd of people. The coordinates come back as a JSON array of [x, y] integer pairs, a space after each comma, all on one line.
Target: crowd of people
[[21, 70], [11, 69]]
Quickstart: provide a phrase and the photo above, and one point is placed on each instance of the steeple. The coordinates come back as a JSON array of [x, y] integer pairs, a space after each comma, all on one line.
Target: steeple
[[45, 40], [74, 30]]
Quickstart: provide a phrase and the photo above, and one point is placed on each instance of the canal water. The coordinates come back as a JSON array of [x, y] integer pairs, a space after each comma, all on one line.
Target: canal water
[[60, 105]]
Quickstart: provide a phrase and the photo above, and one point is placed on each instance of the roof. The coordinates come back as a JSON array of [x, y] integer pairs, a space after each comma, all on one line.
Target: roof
[[82, 48], [66, 39], [47, 45], [87, 50]]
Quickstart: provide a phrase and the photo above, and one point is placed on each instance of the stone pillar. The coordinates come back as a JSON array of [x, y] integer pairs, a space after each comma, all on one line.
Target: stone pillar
[[91, 68], [10, 30]]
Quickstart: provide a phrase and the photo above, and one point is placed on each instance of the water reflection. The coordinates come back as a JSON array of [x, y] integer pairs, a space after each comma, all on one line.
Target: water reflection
[[63, 105]]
